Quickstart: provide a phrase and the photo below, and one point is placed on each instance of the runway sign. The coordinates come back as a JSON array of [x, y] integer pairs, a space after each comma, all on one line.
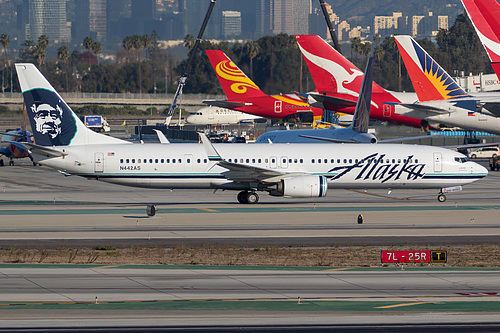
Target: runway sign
[[413, 256]]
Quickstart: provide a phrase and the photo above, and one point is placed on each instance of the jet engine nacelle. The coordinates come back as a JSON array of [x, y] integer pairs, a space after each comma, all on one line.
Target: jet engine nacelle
[[302, 187]]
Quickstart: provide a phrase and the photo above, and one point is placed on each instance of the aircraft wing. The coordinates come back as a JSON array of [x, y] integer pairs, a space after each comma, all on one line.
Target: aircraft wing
[[326, 139], [424, 107], [242, 173], [222, 103], [341, 102], [40, 150]]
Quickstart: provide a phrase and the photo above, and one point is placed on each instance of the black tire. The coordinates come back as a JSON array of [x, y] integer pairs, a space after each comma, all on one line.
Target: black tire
[[11, 163], [252, 198], [441, 198], [1, 163], [473, 156], [242, 197]]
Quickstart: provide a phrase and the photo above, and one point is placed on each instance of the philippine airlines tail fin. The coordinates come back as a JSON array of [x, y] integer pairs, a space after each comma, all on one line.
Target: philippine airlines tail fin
[[52, 120], [331, 71], [485, 17], [430, 81], [362, 114], [234, 82]]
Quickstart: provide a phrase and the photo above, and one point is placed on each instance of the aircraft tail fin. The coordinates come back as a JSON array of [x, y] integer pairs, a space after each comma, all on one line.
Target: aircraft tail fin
[[52, 121], [330, 70], [429, 79], [234, 82], [362, 114], [485, 17]]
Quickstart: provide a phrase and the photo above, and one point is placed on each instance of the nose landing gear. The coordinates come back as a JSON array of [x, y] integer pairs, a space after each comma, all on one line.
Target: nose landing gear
[[441, 197]]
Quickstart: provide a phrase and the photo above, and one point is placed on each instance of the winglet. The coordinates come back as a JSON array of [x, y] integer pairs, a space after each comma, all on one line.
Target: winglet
[[431, 82], [362, 114], [485, 17], [161, 136], [212, 154]]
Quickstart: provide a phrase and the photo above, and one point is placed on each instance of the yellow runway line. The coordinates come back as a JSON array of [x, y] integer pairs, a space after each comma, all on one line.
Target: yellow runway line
[[399, 305], [209, 210]]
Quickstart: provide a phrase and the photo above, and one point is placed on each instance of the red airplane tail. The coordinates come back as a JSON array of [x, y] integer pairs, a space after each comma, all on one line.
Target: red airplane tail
[[485, 16], [235, 83], [331, 71]]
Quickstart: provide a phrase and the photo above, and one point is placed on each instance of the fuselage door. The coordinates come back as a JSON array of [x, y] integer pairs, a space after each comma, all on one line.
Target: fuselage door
[[278, 105], [188, 162], [284, 162], [273, 162], [98, 162], [438, 163], [387, 109]]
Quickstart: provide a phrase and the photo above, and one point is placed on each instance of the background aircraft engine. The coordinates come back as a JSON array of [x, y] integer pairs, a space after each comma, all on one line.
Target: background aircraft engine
[[303, 187]]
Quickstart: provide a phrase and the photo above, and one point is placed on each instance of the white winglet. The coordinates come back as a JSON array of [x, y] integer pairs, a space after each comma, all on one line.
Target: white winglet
[[161, 136], [212, 154]]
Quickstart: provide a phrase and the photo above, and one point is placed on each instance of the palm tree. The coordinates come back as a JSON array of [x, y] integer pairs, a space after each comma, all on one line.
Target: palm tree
[[40, 50], [63, 54], [356, 45], [87, 43], [127, 45], [189, 41], [252, 49], [5, 41], [96, 49]]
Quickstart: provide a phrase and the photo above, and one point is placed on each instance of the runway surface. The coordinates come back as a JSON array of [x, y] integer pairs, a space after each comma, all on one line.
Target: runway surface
[[40, 207], [160, 296]]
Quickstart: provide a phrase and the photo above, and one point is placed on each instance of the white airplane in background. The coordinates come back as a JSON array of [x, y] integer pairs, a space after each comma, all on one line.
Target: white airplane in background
[[64, 143], [213, 115], [440, 98]]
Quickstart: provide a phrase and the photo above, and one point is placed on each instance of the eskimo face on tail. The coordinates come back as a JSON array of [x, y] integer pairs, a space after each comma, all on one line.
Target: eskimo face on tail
[[51, 125]]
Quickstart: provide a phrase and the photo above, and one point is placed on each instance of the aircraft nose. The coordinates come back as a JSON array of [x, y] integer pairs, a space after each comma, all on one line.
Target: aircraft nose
[[478, 168]]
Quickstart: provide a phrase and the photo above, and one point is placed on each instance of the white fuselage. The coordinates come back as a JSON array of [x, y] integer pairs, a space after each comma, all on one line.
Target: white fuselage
[[344, 165], [213, 115]]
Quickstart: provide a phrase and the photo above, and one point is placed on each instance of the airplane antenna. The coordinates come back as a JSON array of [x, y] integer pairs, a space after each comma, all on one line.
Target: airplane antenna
[[330, 27], [183, 78]]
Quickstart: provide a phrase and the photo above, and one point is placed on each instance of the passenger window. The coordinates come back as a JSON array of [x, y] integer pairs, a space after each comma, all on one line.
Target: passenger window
[[295, 161], [345, 160], [198, 161], [253, 160], [127, 160], [266, 160], [416, 160], [393, 161], [205, 160], [301, 161], [273, 160], [180, 161], [338, 160], [162, 160], [356, 161], [332, 161], [133, 160], [188, 160], [289, 160], [156, 160], [150, 160], [259, 160], [325, 160], [248, 160], [399, 160], [312, 161], [168, 160], [350, 160], [173, 160], [121, 160], [241, 160], [319, 160]]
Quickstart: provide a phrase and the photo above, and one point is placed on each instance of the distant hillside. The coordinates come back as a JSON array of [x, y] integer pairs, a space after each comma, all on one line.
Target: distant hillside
[[363, 11]]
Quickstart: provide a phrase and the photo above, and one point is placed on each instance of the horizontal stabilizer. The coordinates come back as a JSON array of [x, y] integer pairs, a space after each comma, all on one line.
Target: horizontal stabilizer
[[40, 150], [341, 102], [424, 107], [222, 103]]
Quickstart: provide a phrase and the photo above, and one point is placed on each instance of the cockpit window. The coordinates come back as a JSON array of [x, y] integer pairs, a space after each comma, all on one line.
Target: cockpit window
[[462, 159]]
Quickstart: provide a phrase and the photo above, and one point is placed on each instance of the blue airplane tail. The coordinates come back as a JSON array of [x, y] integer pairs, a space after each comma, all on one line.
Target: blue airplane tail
[[362, 113]]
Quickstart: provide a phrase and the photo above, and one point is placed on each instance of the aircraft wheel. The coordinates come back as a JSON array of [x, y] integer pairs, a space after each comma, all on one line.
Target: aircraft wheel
[[473, 156], [242, 197], [11, 163], [252, 198], [441, 198]]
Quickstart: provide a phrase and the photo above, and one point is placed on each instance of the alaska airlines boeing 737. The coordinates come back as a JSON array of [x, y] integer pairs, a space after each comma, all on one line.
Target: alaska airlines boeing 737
[[290, 170]]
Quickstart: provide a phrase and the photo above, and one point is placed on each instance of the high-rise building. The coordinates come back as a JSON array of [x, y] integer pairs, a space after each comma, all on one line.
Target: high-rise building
[[231, 24], [97, 19], [388, 23], [415, 23], [48, 17]]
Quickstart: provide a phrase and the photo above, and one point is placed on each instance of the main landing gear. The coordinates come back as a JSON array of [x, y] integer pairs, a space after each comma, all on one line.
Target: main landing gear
[[246, 197], [441, 197]]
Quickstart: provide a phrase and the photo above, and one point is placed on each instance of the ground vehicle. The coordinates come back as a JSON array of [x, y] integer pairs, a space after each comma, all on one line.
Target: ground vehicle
[[485, 152], [495, 163], [97, 123]]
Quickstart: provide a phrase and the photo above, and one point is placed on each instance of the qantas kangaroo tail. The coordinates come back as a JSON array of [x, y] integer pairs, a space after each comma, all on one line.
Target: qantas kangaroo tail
[[485, 17], [52, 120], [331, 71], [430, 81], [235, 83]]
